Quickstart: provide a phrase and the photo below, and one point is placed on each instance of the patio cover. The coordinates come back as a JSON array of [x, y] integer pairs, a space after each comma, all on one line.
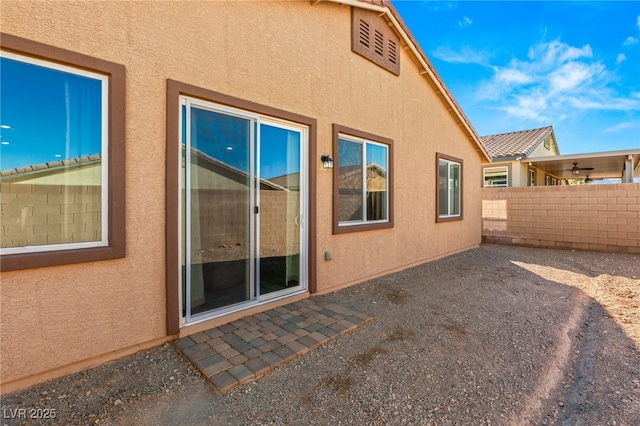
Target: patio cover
[[623, 165]]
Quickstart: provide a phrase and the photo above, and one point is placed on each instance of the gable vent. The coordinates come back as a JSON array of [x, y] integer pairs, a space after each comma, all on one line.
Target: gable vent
[[378, 43], [393, 52], [374, 39], [364, 34]]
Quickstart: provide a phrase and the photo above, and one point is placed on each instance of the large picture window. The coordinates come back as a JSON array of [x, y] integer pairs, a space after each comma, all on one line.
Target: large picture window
[[362, 180], [449, 198], [56, 142]]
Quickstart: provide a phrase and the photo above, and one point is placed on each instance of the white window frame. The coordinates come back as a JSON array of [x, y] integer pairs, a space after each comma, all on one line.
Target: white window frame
[[506, 174], [364, 142], [532, 177], [256, 120], [104, 79], [449, 200]]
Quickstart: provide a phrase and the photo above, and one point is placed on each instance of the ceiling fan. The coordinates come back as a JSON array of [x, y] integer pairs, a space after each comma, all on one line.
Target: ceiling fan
[[576, 170]]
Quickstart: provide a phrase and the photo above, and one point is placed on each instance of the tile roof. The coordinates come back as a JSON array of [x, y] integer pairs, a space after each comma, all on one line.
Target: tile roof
[[53, 165], [515, 144]]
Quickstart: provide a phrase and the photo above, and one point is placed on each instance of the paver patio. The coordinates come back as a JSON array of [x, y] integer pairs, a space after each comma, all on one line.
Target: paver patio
[[243, 350]]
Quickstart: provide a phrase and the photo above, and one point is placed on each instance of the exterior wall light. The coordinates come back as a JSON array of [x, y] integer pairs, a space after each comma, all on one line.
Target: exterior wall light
[[327, 162]]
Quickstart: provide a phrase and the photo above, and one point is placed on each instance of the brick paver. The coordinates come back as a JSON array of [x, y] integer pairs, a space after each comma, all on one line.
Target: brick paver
[[236, 353]]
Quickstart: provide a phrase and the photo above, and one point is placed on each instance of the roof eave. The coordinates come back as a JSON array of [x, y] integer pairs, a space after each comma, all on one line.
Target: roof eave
[[534, 146], [515, 157], [428, 69]]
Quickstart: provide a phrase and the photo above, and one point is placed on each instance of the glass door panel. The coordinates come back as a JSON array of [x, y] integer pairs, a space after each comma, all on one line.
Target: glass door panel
[[218, 216], [280, 212], [243, 201]]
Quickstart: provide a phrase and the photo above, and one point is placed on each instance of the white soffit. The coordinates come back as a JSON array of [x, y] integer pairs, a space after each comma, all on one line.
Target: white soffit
[[606, 165]]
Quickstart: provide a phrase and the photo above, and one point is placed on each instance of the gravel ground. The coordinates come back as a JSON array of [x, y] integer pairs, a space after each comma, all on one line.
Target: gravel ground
[[497, 335]]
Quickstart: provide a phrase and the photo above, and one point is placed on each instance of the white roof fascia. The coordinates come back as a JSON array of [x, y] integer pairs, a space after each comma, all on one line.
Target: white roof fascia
[[585, 155]]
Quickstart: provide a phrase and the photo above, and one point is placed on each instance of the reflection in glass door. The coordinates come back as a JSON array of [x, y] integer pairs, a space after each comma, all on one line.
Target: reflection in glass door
[[243, 203], [279, 199], [218, 246]]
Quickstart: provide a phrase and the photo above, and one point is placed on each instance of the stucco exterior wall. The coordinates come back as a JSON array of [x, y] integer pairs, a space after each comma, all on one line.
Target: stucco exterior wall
[[288, 55], [542, 151]]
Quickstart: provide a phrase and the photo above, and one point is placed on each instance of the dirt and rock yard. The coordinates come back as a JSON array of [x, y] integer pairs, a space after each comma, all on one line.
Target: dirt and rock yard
[[497, 335]]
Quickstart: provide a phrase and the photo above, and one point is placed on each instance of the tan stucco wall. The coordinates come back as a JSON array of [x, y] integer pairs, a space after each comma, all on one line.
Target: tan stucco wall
[[289, 55]]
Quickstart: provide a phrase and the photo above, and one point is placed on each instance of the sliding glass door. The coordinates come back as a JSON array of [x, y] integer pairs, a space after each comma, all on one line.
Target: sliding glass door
[[243, 209], [280, 215]]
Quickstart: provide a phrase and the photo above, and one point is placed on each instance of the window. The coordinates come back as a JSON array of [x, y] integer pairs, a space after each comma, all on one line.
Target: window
[[362, 181], [495, 177], [373, 39], [547, 180], [61, 156], [449, 198], [532, 177]]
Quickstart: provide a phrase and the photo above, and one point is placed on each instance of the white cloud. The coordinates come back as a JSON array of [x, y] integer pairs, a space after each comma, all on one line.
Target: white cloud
[[438, 5], [621, 58], [512, 76], [555, 80], [572, 75], [621, 127], [554, 52], [629, 41], [466, 21], [464, 56]]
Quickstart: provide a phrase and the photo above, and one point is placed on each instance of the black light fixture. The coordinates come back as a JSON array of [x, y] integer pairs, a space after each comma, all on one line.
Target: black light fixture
[[327, 162]]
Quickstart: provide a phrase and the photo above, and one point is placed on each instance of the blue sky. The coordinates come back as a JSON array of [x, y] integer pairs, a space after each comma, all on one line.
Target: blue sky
[[47, 115], [522, 65]]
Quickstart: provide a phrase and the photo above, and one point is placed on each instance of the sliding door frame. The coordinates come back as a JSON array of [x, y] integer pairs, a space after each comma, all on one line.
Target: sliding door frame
[[175, 90]]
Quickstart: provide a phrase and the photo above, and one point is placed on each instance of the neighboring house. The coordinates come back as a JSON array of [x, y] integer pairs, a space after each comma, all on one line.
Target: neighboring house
[[509, 158], [532, 158], [210, 120]]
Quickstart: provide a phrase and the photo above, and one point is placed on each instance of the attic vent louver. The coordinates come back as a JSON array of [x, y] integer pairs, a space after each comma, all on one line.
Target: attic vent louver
[[374, 39], [378, 43], [393, 52], [364, 33]]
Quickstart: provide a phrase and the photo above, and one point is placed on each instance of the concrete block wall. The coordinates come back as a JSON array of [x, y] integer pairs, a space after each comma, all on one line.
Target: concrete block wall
[[34, 214], [224, 218], [279, 212], [586, 217]]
